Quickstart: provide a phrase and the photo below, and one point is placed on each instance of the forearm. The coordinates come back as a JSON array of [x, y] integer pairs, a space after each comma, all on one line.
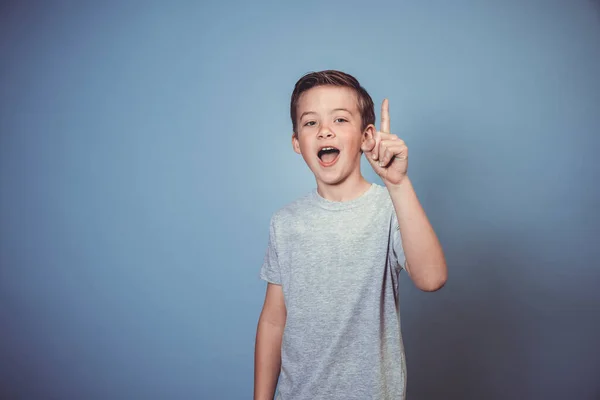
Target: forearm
[[267, 359], [425, 259]]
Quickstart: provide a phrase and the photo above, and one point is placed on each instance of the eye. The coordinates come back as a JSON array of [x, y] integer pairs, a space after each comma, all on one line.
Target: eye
[[310, 123], [341, 120]]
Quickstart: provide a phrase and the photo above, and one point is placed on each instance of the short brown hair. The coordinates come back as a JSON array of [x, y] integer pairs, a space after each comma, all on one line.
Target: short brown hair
[[335, 78]]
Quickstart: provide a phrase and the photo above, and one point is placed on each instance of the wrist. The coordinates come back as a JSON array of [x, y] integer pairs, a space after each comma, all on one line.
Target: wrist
[[400, 186]]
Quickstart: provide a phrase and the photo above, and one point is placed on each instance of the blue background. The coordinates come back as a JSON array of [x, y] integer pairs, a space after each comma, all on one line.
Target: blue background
[[144, 147]]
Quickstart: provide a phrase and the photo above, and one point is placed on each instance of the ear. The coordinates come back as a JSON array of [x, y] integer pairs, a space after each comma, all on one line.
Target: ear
[[296, 143], [367, 137]]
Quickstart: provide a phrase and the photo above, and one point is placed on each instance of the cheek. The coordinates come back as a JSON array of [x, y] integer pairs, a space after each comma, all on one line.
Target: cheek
[[305, 148], [353, 141], [304, 144]]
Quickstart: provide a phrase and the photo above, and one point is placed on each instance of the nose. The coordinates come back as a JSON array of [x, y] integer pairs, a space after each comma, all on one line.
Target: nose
[[326, 133]]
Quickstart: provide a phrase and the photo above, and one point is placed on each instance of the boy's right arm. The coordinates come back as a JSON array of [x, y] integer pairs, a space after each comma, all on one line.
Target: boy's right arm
[[267, 353]]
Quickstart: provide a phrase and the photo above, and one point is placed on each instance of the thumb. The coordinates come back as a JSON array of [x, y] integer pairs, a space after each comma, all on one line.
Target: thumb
[[374, 163]]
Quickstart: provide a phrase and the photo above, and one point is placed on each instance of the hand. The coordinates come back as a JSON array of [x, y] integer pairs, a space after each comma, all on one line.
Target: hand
[[387, 154]]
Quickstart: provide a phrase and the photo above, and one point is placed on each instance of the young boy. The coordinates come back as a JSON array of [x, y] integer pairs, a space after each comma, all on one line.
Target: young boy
[[330, 324]]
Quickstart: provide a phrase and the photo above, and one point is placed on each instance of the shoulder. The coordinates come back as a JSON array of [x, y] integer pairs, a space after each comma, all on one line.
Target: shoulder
[[380, 208], [383, 202], [293, 211], [381, 192], [381, 197]]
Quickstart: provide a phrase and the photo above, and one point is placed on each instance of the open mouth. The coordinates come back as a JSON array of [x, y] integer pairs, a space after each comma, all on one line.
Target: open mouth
[[328, 155]]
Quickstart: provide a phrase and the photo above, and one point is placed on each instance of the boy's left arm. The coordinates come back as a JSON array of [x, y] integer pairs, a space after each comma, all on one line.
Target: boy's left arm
[[425, 261], [388, 155]]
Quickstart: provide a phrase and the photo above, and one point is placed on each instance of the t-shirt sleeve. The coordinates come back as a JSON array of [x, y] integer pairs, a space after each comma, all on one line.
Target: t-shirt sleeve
[[397, 249], [270, 270]]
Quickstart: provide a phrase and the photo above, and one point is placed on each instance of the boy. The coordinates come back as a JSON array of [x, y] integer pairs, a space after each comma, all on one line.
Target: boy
[[330, 324]]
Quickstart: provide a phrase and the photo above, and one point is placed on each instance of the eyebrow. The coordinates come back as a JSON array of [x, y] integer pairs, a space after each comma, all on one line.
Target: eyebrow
[[335, 109], [343, 109], [306, 113]]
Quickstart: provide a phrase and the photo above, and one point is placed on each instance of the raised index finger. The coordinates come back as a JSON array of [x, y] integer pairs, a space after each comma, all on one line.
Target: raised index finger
[[385, 116]]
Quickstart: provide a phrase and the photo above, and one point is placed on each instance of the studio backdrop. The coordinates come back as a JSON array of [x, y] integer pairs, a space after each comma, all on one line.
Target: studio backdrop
[[145, 145]]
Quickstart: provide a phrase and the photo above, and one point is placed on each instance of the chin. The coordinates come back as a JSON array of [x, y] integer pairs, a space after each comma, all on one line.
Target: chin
[[331, 179], [331, 176]]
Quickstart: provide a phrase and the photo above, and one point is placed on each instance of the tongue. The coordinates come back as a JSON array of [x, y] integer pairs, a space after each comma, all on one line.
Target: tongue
[[329, 157]]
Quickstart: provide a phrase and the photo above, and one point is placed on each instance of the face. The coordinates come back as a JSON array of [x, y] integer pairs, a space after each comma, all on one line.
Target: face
[[329, 136]]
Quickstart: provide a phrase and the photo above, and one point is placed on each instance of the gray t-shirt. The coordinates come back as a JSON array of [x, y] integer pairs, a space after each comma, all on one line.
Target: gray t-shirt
[[339, 264]]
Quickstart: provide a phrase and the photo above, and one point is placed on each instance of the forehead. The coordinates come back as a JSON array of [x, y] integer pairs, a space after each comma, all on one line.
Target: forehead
[[326, 98]]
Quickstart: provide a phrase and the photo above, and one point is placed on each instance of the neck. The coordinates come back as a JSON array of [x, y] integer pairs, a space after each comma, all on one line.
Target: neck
[[349, 189]]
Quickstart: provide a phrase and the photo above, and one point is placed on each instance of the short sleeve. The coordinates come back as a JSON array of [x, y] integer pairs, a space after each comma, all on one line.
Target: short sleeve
[[397, 249], [270, 270]]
